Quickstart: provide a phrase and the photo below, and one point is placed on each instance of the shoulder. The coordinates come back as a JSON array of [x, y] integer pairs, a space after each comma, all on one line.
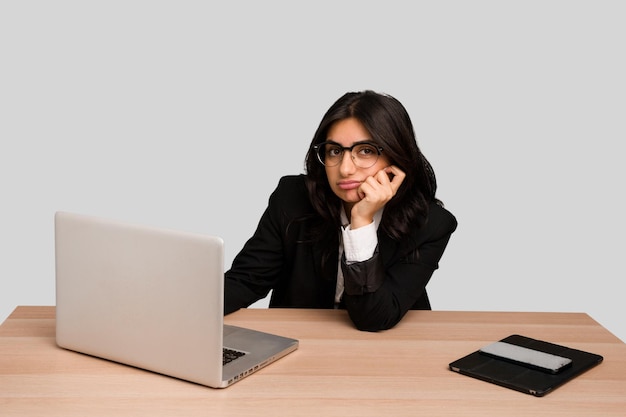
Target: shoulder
[[291, 187], [439, 217], [292, 183], [439, 224], [291, 195]]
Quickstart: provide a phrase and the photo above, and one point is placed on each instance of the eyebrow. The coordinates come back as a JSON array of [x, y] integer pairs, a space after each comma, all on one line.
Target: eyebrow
[[358, 142]]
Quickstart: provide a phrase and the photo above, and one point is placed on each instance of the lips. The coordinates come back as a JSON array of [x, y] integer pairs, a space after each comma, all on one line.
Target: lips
[[349, 185]]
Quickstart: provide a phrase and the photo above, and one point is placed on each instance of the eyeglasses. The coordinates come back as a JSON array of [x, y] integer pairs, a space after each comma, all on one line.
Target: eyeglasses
[[364, 154]]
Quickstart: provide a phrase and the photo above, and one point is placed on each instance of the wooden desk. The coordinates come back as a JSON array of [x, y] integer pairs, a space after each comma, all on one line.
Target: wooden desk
[[337, 371]]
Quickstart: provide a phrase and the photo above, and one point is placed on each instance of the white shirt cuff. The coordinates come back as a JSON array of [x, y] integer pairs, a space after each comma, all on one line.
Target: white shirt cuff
[[359, 245]]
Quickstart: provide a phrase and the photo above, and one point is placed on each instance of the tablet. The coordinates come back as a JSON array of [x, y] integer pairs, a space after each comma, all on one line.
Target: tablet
[[527, 365]]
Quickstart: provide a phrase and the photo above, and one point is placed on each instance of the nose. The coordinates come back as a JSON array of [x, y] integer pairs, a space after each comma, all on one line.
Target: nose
[[347, 165]]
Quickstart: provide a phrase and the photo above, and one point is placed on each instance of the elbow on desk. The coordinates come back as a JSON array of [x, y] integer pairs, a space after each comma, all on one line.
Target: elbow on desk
[[370, 314], [372, 327], [372, 322]]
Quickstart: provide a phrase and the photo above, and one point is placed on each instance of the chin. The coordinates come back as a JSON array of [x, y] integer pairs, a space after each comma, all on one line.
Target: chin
[[349, 196]]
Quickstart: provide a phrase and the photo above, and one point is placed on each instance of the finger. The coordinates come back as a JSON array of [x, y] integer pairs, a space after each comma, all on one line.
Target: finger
[[398, 176], [377, 189], [394, 171], [382, 177]]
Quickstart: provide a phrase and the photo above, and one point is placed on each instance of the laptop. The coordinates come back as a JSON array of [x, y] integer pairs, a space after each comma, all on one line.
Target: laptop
[[153, 299]]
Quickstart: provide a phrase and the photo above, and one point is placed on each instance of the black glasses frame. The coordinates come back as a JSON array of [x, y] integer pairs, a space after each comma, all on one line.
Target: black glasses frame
[[320, 146]]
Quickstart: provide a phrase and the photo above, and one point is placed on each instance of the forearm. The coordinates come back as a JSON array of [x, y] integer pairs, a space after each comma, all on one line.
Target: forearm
[[377, 298], [377, 295]]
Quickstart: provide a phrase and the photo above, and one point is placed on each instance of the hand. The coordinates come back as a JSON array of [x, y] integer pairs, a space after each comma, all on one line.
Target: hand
[[375, 192]]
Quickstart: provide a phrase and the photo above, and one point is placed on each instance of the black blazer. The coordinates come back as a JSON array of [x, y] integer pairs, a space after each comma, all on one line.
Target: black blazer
[[281, 256]]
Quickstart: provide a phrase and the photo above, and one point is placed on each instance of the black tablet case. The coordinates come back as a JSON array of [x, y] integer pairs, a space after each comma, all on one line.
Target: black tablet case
[[519, 377]]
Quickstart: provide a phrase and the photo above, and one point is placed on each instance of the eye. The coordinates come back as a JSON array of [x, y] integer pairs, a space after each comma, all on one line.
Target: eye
[[366, 151], [333, 151]]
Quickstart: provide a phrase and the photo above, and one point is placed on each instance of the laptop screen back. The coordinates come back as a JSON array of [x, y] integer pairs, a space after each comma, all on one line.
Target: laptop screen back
[[149, 298]]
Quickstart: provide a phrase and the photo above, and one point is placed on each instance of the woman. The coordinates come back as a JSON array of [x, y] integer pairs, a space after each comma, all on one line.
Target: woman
[[360, 230]]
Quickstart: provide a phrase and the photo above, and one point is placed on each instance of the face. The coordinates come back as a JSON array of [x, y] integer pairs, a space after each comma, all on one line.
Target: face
[[345, 178]]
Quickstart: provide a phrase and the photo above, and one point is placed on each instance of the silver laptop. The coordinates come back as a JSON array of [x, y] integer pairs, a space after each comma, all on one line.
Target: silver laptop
[[153, 299]]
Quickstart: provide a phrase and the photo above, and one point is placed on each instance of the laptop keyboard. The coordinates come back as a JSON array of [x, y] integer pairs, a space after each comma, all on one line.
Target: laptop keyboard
[[230, 355]]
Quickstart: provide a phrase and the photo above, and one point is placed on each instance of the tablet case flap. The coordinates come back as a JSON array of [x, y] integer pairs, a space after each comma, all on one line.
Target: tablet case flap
[[522, 378]]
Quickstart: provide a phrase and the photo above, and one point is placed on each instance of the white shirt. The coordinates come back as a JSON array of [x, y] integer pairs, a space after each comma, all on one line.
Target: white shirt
[[359, 245]]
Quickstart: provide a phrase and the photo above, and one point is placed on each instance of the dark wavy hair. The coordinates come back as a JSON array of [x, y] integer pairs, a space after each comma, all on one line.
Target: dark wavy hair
[[390, 126]]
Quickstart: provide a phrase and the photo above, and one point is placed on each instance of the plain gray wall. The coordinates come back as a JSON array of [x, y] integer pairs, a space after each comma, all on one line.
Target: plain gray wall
[[185, 114]]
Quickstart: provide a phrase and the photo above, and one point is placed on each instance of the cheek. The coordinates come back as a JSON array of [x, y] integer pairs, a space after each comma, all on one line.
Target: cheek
[[330, 173], [332, 177], [372, 171], [383, 162]]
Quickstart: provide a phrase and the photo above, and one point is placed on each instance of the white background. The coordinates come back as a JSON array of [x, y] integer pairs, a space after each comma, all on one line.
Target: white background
[[185, 114]]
